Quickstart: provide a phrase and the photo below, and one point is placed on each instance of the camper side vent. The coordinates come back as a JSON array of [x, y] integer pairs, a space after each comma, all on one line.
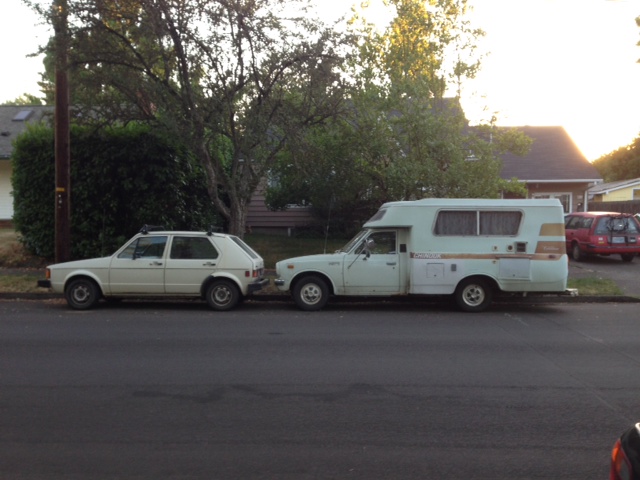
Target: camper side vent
[[521, 247]]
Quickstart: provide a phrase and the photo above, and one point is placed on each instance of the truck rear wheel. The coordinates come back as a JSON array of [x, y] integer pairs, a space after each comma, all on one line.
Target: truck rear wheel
[[474, 295], [311, 293]]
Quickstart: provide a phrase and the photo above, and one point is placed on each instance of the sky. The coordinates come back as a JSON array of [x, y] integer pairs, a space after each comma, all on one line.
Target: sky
[[569, 63]]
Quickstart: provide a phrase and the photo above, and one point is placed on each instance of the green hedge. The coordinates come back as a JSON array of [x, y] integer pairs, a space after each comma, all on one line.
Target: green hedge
[[121, 178]]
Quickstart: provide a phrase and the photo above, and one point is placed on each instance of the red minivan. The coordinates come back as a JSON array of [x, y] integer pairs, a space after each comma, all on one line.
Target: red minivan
[[602, 233]]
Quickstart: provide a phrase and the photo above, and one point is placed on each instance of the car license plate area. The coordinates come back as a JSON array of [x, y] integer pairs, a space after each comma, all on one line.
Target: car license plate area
[[618, 240]]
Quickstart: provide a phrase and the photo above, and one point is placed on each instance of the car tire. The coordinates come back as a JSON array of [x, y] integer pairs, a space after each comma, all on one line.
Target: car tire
[[627, 257], [222, 295], [576, 253], [311, 293], [82, 294], [473, 295]]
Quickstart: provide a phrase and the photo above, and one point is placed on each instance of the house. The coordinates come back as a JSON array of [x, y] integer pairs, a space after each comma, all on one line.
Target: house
[[623, 190], [553, 168], [14, 121]]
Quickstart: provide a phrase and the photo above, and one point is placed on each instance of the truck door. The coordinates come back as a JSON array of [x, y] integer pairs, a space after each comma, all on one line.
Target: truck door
[[373, 267]]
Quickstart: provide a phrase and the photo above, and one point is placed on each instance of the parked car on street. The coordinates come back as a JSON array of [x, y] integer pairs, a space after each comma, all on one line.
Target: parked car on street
[[220, 268], [625, 456], [602, 233]]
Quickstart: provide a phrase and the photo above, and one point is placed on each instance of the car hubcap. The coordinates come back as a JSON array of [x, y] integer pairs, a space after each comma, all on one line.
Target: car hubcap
[[221, 295], [81, 294], [473, 295], [311, 294]]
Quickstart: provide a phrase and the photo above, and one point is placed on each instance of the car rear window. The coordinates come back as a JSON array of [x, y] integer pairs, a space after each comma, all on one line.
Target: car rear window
[[245, 247], [609, 225]]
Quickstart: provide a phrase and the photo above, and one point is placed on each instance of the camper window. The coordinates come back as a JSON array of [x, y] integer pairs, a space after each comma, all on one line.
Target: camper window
[[474, 223]]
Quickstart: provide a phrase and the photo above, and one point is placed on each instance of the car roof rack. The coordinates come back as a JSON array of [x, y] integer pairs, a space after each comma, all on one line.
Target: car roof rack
[[151, 228], [213, 229]]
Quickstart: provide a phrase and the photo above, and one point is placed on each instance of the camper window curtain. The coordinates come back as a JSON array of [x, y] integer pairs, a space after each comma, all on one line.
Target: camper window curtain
[[474, 223]]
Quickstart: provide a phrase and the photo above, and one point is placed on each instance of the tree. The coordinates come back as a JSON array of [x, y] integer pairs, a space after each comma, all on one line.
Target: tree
[[24, 99], [621, 164], [239, 77], [400, 138]]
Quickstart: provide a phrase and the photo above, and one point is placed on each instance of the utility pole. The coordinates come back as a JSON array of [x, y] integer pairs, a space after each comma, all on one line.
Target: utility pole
[[62, 137]]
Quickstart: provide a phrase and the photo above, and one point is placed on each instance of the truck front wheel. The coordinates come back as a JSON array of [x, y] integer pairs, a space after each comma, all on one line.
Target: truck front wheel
[[474, 295], [311, 293]]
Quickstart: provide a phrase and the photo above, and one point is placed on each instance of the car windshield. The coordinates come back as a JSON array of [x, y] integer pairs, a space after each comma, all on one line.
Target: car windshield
[[354, 241], [617, 224]]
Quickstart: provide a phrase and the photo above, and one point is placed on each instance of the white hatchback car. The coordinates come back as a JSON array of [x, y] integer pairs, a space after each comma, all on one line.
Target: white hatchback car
[[217, 267]]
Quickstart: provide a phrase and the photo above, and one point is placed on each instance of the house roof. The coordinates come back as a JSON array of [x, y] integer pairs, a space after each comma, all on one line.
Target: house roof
[[604, 188], [553, 157], [14, 120]]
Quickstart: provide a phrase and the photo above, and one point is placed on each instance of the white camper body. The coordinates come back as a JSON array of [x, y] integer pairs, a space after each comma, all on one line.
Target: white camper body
[[470, 248]]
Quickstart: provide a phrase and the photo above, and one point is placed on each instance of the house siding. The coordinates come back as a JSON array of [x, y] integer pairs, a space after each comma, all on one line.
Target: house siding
[[260, 219], [6, 198]]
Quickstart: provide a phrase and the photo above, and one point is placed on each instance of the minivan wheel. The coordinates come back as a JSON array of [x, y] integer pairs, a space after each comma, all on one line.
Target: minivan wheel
[[473, 295], [222, 295], [82, 294], [627, 257], [311, 293]]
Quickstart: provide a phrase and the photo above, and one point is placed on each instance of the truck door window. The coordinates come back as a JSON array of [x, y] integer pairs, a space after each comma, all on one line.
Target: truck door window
[[383, 243]]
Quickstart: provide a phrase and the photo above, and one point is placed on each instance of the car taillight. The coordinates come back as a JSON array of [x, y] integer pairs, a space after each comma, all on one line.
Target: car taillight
[[625, 456], [48, 274], [620, 466]]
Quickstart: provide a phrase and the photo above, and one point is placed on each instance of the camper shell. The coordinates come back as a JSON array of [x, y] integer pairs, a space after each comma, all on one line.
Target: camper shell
[[469, 248]]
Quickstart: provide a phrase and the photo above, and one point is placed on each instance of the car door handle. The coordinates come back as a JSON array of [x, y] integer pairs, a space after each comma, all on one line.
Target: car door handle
[[209, 264], [391, 263], [156, 264]]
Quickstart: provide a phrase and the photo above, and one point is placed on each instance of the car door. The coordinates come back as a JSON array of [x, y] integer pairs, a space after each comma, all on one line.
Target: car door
[[139, 268], [190, 261], [376, 269]]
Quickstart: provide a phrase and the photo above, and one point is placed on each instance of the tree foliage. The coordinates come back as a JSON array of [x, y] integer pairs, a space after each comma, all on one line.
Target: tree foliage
[[621, 164], [121, 179], [399, 137], [247, 75]]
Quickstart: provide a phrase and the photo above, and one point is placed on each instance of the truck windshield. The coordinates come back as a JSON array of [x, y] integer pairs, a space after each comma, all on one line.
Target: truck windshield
[[354, 241]]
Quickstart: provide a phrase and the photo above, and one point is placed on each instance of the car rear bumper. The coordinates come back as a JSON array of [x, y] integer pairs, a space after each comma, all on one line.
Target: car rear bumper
[[258, 285], [613, 250]]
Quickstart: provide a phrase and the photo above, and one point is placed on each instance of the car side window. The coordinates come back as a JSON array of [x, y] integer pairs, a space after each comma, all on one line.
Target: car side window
[[572, 223], [193, 248], [145, 247]]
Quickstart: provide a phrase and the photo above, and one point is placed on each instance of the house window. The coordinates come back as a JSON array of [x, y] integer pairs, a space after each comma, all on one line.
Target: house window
[[565, 199]]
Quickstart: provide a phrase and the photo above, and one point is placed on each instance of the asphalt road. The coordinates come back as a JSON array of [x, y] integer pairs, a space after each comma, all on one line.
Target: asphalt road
[[366, 391]]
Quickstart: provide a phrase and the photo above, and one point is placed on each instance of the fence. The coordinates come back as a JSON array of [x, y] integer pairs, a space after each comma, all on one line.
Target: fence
[[627, 206]]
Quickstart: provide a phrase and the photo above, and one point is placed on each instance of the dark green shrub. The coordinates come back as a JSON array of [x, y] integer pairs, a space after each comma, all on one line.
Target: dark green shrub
[[121, 178]]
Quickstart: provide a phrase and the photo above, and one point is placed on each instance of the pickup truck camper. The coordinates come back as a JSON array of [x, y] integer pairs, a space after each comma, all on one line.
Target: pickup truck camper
[[468, 248]]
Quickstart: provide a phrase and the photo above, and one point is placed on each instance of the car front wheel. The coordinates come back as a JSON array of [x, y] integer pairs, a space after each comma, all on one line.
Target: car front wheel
[[82, 294], [311, 293], [474, 295], [223, 295]]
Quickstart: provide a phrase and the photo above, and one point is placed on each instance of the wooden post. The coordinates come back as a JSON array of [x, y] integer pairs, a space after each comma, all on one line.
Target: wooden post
[[62, 137]]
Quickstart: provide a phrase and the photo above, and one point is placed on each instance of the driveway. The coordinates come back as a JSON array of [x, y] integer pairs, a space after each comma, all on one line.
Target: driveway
[[625, 275]]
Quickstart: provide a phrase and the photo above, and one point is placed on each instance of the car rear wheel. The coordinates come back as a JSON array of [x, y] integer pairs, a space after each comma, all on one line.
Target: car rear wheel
[[576, 253], [82, 294], [311, 293], [223, 295], [627, 257], [474, 295]]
